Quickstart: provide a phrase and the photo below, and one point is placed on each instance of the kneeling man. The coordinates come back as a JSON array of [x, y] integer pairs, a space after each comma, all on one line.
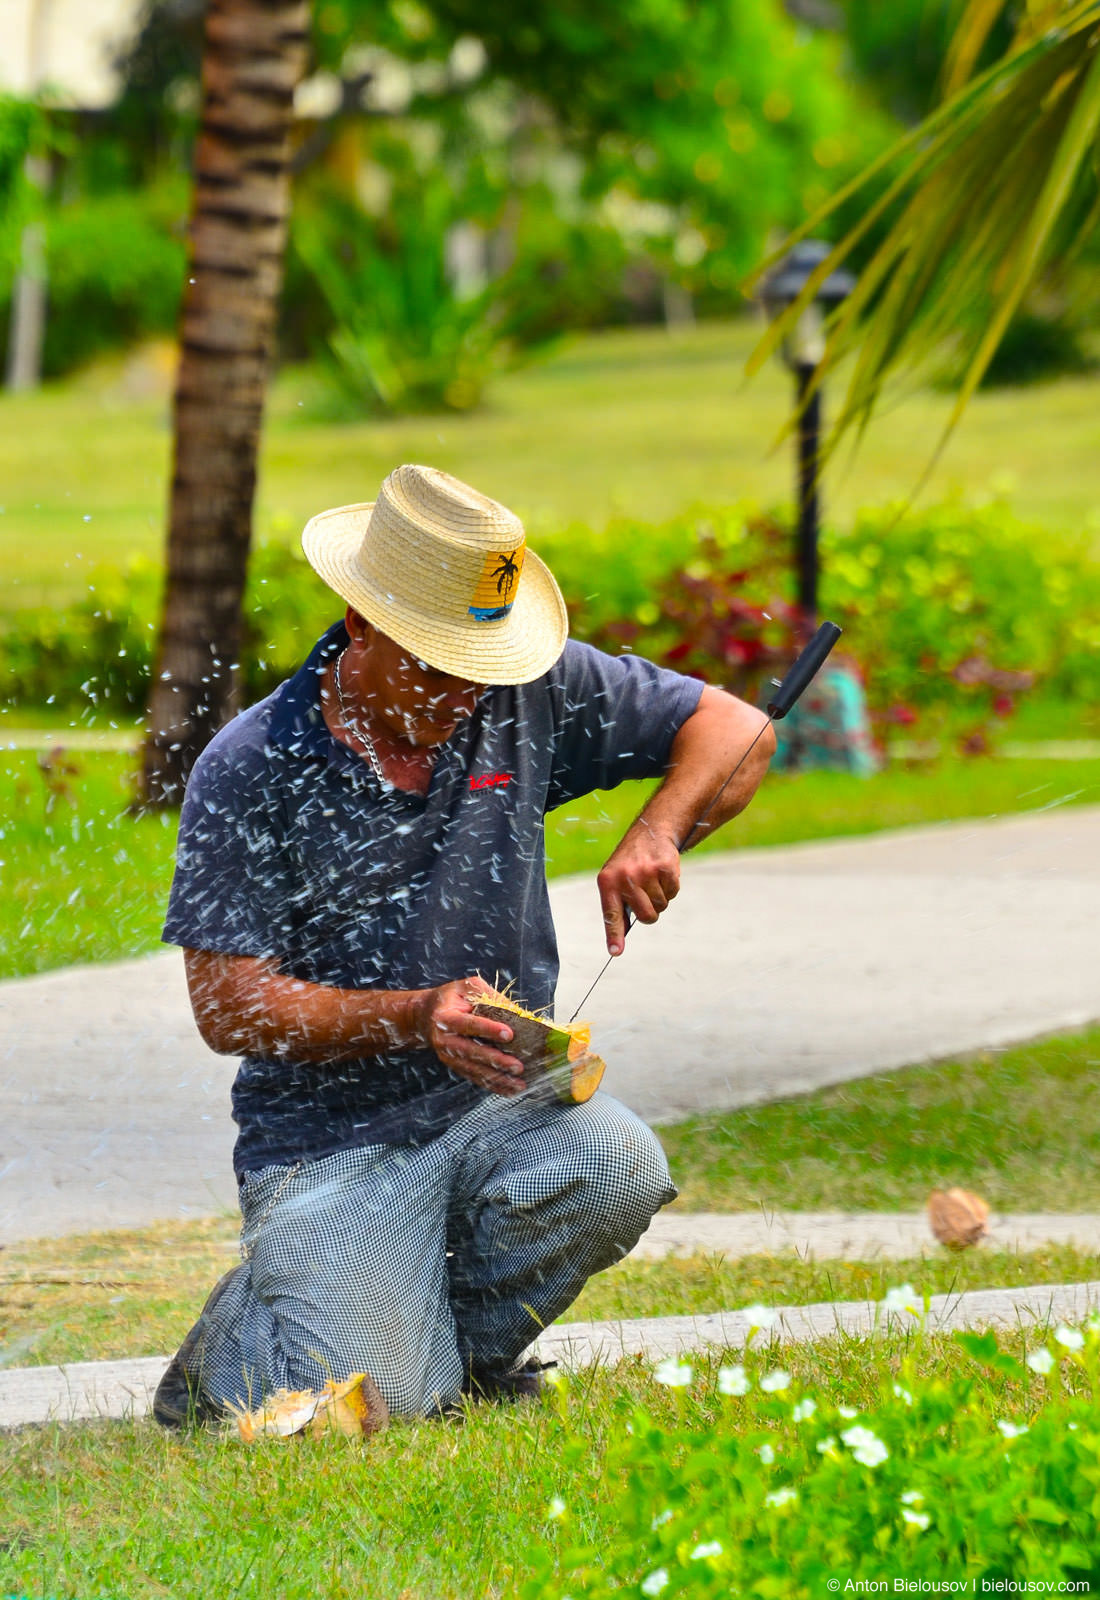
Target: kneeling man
[[358, 854]]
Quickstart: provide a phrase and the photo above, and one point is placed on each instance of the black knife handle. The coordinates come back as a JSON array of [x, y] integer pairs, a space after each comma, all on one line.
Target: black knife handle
[[804, 670]]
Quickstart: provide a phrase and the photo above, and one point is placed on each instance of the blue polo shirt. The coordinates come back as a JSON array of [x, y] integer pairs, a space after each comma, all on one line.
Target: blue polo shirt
[[291, 849]]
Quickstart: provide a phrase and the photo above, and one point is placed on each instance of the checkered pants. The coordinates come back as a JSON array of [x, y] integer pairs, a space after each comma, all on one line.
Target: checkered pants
[[416, 1265]]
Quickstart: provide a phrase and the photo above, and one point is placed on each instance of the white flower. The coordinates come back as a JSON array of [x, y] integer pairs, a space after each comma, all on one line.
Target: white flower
[[660, 1520], [655, 1582], [912, 1497], [865, 1446], [1069, 1338], [772, 1382], [804, 1408], [903, 1394], [704, 1552], [732, 1380], [1041, 1361], [760, 1316], [825, 1445], [1011, 1430], [917, 1519], [903, 1298], [675, 1374], [766, 1454], [556, 1508], [781, 1497], [554, 1376], [847, 1411], [854, 1437]]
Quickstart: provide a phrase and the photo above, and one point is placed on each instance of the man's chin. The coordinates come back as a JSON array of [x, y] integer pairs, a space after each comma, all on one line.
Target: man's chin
[[428, 735]]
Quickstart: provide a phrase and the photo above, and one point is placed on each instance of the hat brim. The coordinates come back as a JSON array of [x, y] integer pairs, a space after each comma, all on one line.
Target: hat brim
[[516, 648]]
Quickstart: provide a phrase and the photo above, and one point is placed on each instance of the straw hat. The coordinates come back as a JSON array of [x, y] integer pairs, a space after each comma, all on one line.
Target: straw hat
[[446, 572]]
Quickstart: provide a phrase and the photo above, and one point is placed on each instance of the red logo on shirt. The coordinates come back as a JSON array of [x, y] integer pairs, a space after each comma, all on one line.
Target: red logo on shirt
[[490, 780]]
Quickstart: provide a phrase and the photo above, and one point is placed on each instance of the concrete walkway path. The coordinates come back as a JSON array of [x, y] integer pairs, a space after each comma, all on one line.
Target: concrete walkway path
[[848, 1235], [774, 973], [124, 1389]]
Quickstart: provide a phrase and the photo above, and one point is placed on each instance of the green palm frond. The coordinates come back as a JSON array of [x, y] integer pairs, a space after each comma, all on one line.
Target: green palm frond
[[989, 191]]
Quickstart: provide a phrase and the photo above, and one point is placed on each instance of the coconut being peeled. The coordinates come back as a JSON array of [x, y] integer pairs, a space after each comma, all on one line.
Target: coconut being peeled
[[556, 1055]]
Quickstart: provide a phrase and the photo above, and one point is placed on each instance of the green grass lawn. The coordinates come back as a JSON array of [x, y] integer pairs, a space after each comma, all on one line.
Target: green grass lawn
[[641, 421], [109, 1296], [84, 881], [483, 1505], [1020, 1127]]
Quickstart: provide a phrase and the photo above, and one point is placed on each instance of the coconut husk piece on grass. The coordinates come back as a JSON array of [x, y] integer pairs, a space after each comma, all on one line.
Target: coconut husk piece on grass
[[556, 1055], [957, 1217], [352, 1408]]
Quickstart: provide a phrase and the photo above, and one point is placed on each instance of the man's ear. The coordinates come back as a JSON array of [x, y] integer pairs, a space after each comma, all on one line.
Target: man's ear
[[358, 627]]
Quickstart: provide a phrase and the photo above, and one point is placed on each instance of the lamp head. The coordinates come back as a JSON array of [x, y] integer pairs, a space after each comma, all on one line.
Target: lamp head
[[804, 344]]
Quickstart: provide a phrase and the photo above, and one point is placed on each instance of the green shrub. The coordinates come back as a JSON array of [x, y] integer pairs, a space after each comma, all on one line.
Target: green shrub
[[287, 608], [776, 1493], [1037, 347], [115, 267], [400, 339], [953, 608], [925, 593], [98, 653]]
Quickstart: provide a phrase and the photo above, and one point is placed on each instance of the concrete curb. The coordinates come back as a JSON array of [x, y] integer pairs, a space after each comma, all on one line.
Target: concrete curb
[[848, 1235], [582, 1344], [89, 1390]]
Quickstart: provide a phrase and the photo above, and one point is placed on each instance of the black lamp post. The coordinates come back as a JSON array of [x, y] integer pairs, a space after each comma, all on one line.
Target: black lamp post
[[802, 348]]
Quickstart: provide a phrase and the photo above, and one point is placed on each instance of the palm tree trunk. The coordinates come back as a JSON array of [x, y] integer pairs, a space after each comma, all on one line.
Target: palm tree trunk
[[254, 56]]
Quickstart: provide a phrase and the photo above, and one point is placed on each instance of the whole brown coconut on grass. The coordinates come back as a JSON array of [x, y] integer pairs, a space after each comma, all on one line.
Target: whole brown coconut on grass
[[958, 1218]]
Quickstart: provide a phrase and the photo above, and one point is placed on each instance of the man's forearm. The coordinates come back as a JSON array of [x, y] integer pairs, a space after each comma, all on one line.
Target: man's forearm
[[245, 1006], [642, 874], [704, 753]]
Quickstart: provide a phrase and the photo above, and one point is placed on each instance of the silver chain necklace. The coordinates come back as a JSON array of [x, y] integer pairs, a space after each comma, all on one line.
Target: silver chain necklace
[[353, 727]]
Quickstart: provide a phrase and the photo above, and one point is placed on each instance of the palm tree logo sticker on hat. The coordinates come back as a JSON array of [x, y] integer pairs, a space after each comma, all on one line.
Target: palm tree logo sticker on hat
[[497, 584]]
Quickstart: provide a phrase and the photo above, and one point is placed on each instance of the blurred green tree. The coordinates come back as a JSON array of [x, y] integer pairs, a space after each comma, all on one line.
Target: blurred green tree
[[688, 131]]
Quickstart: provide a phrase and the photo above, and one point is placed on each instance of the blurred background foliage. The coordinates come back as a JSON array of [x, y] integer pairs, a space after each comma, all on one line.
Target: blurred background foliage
[[470, 185], [953, 613]]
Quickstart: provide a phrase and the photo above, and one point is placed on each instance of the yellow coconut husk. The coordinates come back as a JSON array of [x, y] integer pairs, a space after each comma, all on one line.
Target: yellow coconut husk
[[555, 1055], [957, 1217], [353, 1408]]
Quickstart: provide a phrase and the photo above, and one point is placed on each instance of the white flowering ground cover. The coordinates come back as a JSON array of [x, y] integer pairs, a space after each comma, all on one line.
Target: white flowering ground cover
[[940, 1459], [970, 1478]]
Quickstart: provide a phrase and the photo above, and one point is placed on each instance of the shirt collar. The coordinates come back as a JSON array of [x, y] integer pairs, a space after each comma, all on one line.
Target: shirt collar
[[297, 721]]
